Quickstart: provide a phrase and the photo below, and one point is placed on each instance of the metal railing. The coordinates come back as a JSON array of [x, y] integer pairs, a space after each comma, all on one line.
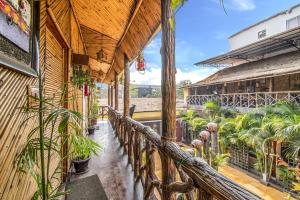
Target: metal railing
[[197, 179], [246, 100]]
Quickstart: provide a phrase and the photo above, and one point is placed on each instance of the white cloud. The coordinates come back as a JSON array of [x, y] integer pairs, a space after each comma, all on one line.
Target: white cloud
[[240, 5], [153, 75]]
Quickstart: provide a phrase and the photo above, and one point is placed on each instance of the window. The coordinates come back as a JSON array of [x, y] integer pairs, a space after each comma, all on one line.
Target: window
[[262, 34], [292, 23]]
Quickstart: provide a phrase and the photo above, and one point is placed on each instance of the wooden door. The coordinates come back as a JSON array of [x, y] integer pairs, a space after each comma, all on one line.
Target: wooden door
[[55, 71]]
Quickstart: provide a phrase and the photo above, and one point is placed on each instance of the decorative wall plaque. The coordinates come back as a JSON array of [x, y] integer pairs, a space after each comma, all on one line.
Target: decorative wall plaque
[[16, 25]]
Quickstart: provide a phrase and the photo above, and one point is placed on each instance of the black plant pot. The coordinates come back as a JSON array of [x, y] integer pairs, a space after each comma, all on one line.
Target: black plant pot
[[81, 166], [91, 130]]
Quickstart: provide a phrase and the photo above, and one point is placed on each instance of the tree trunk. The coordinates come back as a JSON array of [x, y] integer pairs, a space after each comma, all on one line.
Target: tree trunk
[[168, 85], [116, 91], [126, 86]]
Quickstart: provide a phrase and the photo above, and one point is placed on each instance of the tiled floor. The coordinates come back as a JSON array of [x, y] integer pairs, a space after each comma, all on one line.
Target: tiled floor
[[112, 167]]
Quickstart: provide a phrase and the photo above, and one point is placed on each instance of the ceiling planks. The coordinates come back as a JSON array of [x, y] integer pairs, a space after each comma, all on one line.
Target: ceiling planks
[[118, 27]]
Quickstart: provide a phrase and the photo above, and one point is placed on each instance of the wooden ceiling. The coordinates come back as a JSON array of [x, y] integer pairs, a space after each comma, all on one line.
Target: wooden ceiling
[[118, 27]]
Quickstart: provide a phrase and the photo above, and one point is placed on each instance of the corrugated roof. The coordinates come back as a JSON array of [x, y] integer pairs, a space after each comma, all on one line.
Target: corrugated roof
[[275, 66]]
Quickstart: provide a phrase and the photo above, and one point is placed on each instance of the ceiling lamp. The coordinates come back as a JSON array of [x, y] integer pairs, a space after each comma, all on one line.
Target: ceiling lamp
[[101, 55]]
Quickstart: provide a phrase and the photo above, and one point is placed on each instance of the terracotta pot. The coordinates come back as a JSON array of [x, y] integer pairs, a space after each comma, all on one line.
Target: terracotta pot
[[81, 166], [91, 130], [93, 122]]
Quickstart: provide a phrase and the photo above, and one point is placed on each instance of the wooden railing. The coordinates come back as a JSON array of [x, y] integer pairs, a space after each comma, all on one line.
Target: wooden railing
[[197, 179], [246, 100]]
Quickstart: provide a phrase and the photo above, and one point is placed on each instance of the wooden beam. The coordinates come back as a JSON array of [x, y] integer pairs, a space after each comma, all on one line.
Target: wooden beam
[[168, 88], [108, 95], [137, 7], [126, 86], [112, 96], [126, 29], [57, 26], [116, 91], [78, 24]]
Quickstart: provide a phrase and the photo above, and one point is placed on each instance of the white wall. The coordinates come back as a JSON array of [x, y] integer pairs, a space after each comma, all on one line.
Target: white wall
[[273, 26]]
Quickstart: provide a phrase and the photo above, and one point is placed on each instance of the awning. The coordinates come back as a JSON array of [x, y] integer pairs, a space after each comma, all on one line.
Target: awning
[[285, 42], [276, 66]]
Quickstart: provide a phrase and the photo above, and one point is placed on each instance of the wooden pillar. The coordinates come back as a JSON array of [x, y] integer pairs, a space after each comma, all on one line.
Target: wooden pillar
[[271, 84], [116, 91], [168, 87], [108, 94], [112, 96], [126, 86]]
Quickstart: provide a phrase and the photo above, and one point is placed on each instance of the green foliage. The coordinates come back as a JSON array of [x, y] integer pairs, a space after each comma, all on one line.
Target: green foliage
[[198, 124], [83, 147], [46, 139], [180, 87], [133, 91], [80, 77], [219, 160], [188, 116]]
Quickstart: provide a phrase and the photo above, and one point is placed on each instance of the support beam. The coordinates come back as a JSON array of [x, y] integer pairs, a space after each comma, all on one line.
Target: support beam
[[126, 86], [108, 95], [112, 96], [168, 87], [116, 91]]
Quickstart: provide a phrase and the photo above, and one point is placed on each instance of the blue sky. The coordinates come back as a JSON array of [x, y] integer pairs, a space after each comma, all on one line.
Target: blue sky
[[202, 29]]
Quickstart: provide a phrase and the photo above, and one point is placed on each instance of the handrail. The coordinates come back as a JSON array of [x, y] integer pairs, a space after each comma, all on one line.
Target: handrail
[[195, 173], [248, 100]]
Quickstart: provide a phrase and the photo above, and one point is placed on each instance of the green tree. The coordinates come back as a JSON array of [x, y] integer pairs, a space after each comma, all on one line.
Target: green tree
[[180, 87], [133, 91]]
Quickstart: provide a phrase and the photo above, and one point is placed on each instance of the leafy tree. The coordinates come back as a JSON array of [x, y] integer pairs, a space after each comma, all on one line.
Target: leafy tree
[[133, 91], [180, 87]]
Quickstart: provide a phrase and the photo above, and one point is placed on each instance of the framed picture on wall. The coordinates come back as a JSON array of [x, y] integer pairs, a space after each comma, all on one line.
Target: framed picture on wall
[[17, 43]]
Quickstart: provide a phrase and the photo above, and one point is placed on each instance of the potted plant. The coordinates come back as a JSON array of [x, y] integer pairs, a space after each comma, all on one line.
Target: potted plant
[[83, 148]]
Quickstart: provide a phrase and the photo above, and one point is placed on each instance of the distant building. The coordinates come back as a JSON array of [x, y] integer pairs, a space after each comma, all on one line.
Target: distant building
[[261, 68], [148, 91]]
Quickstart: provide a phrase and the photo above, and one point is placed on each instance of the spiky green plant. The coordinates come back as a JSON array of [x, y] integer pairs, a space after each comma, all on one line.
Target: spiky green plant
[[46, 139]]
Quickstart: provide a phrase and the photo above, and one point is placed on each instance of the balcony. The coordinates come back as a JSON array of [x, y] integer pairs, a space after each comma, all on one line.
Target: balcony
[[245, 100], [145, 150]]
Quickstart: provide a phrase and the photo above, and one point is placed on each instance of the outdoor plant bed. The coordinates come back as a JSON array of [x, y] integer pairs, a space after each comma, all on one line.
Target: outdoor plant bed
[[91, 130], [81, 166]]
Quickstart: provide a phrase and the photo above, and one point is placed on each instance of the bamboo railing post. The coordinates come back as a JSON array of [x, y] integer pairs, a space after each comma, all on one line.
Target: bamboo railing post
[[136, 153], [203, 195], [108, 94], [168, 93], [129, 132], [116, 91], [112, 96], [126, 87]]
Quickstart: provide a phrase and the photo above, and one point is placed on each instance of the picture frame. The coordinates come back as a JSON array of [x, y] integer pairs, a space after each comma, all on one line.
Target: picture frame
[[18, 35]]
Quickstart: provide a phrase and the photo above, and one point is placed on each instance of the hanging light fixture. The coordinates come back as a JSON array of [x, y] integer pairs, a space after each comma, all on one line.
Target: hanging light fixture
[[140, 64], [101, 55]]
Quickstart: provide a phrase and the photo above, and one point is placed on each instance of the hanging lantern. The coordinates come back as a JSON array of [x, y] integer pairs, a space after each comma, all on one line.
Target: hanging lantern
[[101, 55], [140, 64], [86, 90]]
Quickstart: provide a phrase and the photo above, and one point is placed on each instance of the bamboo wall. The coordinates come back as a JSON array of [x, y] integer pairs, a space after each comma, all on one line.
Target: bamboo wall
[[13, 184]]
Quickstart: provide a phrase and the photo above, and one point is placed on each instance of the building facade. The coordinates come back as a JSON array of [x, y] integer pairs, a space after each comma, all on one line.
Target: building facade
[[258, 71]]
